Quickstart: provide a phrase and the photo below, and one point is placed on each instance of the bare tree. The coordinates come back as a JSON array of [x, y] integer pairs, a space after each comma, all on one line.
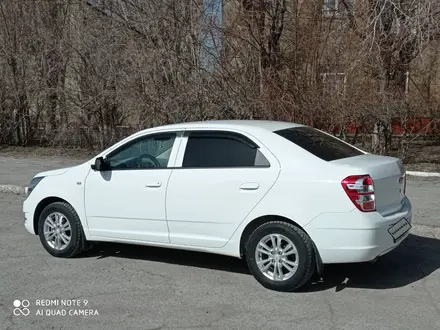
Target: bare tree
[[19, 63], [78, 74], [394, 34]]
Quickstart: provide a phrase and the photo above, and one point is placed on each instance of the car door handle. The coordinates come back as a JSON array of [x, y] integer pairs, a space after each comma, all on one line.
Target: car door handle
[[156, 184], [250, 186]]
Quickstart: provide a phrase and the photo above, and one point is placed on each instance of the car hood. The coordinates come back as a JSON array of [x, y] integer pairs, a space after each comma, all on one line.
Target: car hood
[[54, 172]]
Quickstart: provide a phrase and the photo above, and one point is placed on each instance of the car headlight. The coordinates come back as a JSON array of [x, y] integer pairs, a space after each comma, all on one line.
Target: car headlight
[[33, 184]]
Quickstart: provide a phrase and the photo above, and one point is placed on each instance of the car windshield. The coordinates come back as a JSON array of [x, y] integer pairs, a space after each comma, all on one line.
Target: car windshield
[[318, 143]]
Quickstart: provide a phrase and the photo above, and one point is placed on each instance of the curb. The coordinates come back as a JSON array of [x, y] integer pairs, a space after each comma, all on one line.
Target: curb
[[11, 189], [423, 174], [426, 231]]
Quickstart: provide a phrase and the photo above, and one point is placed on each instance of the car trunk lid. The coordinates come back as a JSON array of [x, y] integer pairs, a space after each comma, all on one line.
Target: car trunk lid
[[388, 174]]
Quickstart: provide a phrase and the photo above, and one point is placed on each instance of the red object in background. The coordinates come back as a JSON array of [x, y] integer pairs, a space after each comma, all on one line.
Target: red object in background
[[415, 125]]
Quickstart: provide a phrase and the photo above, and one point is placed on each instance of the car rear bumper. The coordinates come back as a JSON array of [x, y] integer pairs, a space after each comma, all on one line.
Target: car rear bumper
[[356, 236]]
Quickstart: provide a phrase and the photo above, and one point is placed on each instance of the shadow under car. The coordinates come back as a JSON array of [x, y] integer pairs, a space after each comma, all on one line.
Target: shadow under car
[[416, 258]]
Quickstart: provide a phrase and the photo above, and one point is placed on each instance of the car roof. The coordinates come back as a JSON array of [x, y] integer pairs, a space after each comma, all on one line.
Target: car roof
[[250, 126], [235, 124]]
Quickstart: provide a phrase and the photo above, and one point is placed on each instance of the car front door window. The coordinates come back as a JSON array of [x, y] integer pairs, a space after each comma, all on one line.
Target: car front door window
[[143, 153]]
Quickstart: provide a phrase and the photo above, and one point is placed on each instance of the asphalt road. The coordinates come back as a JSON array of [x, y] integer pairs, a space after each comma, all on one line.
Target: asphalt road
[[137, 287]]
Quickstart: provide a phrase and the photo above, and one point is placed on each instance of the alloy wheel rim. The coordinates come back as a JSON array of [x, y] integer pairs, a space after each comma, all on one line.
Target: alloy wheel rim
[[277, 257], [57, 231]]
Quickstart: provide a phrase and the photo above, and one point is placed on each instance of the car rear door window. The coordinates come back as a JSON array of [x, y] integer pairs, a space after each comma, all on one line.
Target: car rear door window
[[319, 144], [222, 149]]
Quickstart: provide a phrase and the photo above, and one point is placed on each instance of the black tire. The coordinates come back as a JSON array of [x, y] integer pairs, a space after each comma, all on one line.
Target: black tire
[[304, 246], [77, 241]]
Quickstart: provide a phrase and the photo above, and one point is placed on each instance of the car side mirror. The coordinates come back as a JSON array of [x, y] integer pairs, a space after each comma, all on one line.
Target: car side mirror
[[100, 165]]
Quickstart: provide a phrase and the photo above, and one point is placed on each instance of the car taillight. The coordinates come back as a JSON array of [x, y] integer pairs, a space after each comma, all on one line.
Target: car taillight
[[360, 189]]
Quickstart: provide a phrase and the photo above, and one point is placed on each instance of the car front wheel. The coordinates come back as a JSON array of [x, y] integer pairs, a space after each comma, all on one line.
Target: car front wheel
[[280, 256], [60, 230]]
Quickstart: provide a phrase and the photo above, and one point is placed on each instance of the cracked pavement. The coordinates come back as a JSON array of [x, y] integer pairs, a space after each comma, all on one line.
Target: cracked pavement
[[137, 287]]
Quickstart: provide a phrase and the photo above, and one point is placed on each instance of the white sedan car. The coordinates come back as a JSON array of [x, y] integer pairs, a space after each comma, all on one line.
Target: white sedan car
[[286, 197]]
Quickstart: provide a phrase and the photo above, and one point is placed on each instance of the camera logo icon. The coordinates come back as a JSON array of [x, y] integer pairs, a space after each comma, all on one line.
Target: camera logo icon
[[21, 307]]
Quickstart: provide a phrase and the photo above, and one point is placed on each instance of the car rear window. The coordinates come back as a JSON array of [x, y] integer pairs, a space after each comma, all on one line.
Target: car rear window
[[318, 143]]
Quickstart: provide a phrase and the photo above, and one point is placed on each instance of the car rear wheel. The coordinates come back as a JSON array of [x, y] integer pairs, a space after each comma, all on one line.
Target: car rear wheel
[[60, 230], [280, 256]]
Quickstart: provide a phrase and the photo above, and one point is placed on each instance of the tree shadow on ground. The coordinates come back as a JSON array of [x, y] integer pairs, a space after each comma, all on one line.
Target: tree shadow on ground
[[416, 258]]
